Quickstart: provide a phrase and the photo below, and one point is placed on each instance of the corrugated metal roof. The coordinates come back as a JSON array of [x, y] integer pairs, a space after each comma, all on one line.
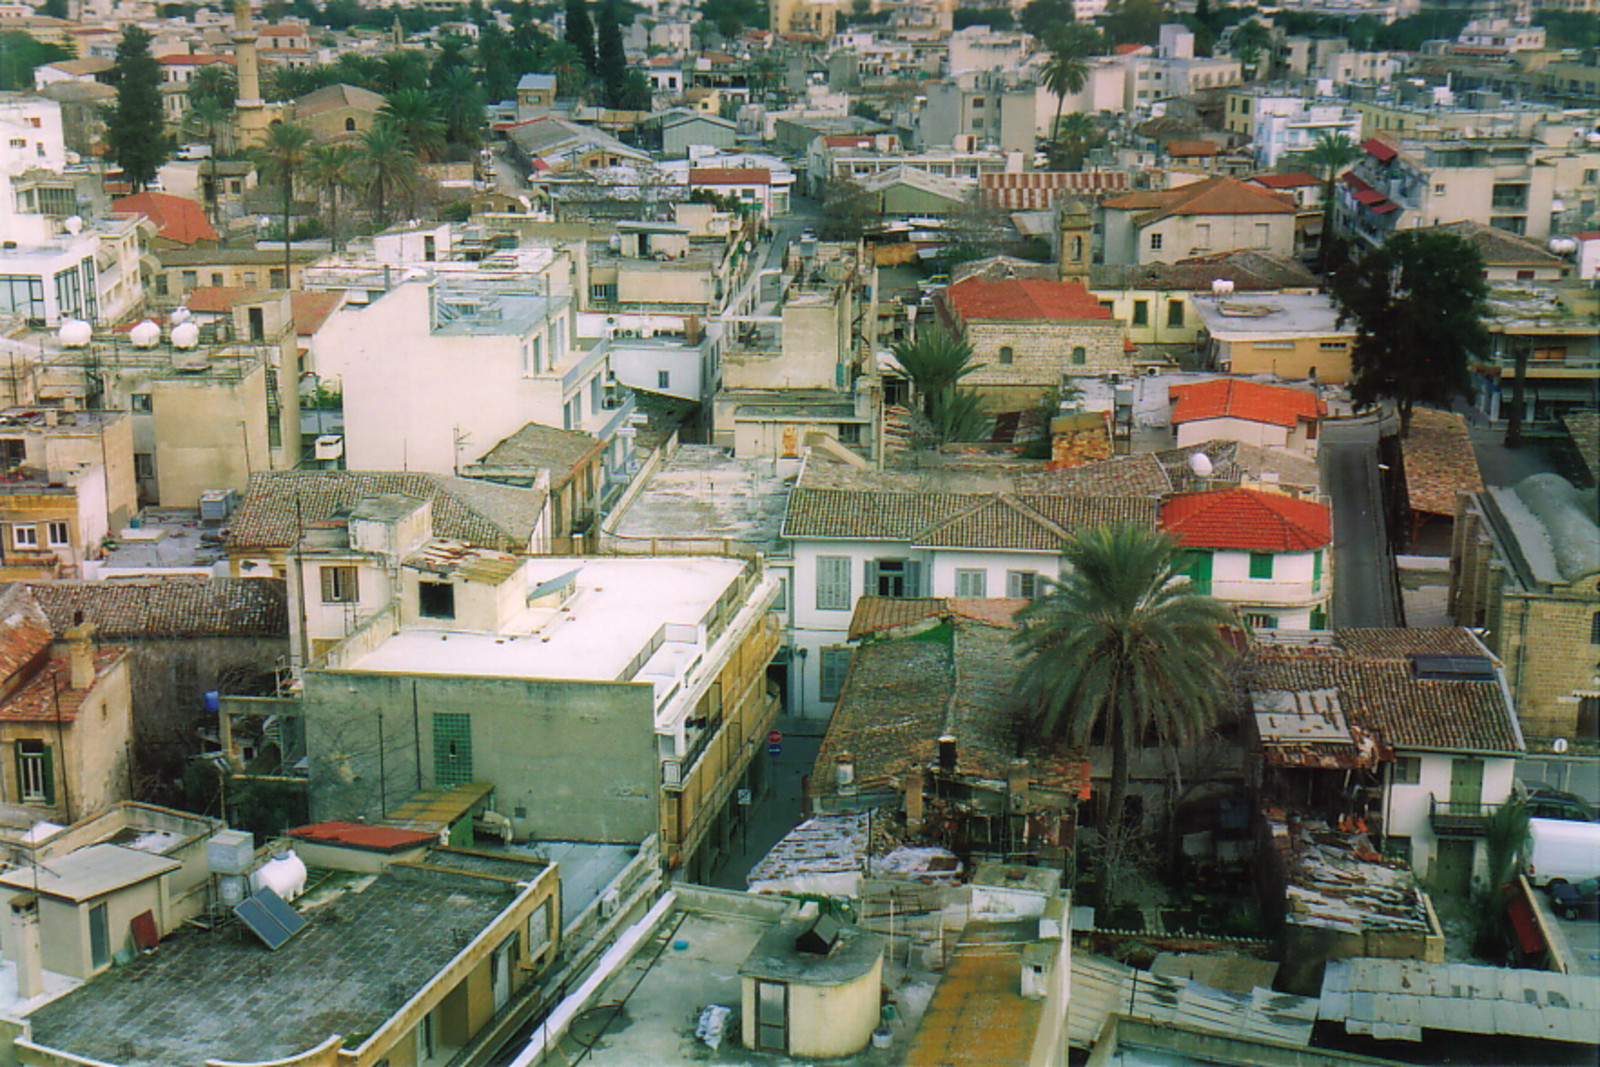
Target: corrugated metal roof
[[1399, 999]]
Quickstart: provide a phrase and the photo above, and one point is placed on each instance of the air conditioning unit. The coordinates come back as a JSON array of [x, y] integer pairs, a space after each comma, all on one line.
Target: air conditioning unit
[[672, 774], [609, 902]]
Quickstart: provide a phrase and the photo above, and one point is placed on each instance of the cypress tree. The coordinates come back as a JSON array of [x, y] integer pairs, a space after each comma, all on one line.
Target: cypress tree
[[134, 132], [613, 69], [580, 33]]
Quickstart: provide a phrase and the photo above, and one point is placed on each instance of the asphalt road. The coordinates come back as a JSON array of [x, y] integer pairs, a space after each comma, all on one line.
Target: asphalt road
[[1364, 579]]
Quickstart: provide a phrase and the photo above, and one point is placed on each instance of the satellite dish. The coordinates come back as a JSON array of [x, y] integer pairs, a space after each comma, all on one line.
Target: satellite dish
[[179, 316], [145, 335], [1200, 464], [1559, 746], [75, 333], [185, 335], [74, 224]]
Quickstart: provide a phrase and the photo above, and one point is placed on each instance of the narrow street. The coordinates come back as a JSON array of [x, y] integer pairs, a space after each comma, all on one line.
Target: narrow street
[[1364, 580]]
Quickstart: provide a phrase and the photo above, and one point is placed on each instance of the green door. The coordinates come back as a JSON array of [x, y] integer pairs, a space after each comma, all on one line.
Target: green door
[[1452, 866], [1466, 785]]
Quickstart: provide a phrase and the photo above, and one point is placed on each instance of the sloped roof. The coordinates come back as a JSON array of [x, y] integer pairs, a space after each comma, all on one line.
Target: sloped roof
[[1211, 196], [1239, 398], [1378, 149], [25, 632], [280, 504], [1439, 461], [1037, 190], [311, 308], [1247, 520], [1285, 181], [1187, 149], [1022, 300], [1136, 475], [558, 451], [178, 219], [915, 178], [169, 607], [1502, 248], [730, 176], [335, 96], [1248, 270], [1371, 670]]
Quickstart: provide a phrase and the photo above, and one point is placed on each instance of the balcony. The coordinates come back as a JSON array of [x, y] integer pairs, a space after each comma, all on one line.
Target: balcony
[[1451, 818]]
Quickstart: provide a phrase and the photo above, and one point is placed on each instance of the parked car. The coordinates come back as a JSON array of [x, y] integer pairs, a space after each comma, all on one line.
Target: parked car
[[1563, 851], [1545, 802], [1571, 899]]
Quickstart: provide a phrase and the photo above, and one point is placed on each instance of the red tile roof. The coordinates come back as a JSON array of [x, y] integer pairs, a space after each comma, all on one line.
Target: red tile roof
[[194, 60], [1247, 520], [730, 176], [362, 836], [1236, 398], [311, 309], [21, 643], [1285, 181], [1192, 148], [177, 218], [1379, 150], [1212, 196], [1126, 49], [1022, 299], [847, 140], [49, 696]]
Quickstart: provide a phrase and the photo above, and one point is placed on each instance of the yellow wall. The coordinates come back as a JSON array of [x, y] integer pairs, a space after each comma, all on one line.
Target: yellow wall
[[1289, 359]]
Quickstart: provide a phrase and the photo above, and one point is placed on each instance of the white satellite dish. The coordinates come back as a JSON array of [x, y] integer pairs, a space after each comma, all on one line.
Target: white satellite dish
[[1200, 464], [1559, 746], [75, 333], [145, 335]]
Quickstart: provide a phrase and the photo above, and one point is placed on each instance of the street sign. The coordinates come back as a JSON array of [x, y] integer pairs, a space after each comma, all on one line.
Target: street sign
[[743, 797], [775, 737], [774, 750]]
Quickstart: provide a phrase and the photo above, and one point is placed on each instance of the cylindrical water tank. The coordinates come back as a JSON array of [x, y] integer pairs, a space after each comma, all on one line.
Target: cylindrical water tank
[[145, 334], [185, 335], [75, 333], [284, 874]]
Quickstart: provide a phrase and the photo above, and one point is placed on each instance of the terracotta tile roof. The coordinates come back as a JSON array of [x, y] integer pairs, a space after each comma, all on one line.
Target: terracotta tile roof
[[561, 452], [1378, 149], [364, 837], [1037, 190], [1186, 149], [48, 696], [190, 60], [1285, 181], [1247, 520], [25, 635], [1136, 475], [730, 176], [279, 504], [169, 607], [1210, 196], [1373, 674], [1023, 300], [1238, 398], [902, 693], [178, 219], [1439, 461], [876, 614], [848, 140], [310, 308], [1247, 269], [1502, 248]]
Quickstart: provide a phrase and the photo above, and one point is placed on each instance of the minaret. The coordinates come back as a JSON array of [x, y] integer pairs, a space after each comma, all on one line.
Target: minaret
[[250, 116]]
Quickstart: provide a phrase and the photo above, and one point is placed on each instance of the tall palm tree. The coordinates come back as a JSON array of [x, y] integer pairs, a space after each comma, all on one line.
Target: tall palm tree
[[1067, 70], [1076, 135], [387, 165], [935, 360], [1122, 644], [414, 113], [279, 160], [1332, 153], [460, 96], [211, 115], [334, 168]]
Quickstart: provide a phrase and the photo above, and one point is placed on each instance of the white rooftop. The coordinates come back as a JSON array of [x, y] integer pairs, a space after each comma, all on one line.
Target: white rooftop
[[616, 610], [1265, 316]]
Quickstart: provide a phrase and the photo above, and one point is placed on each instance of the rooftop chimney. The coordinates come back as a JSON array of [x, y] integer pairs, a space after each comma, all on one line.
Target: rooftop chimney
[[947, 753], [29, 959], [844, 770], [80, 645]]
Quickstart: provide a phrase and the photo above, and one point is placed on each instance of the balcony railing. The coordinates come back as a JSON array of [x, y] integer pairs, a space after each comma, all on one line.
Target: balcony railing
[[1451, 818]]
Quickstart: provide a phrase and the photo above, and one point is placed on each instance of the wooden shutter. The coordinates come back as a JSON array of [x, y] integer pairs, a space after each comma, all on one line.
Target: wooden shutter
[[869, 580], [914, 578]]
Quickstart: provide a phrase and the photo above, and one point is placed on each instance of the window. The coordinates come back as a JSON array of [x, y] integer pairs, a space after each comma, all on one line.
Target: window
[[257, 321], [190, 278], [1316, 571], [339, 585], [59, 533], [1594, 629], [452, 748], [1261, 622], [835, 664], [1155, 242], [603, 291], [1438, 189], [1141, 312], [22, 294], [1022, 584], [217, 278], [1080, 356], [781, 601], [25, 535], [663, 379], [277, 279], [833, 583], [1174, 313], [1261, 564], [144, 465], [972, 582], [849, 433], [140, 403], [13, 453], [893, 577], [1407, 770], [1196, 566], [1007, 355], [349, 125], [35, 773], [436, 600]]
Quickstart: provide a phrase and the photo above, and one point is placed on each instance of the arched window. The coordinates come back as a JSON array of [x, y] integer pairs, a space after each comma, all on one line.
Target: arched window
[[1077, 248], [1594, 629], [1006, 354], [1079, 356], [350, 125]]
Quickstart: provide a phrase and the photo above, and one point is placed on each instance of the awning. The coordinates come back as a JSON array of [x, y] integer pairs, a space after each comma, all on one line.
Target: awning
[[1378, 150]]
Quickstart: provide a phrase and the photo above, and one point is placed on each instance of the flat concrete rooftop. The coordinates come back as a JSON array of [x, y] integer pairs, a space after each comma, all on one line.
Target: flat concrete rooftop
[[703, 494], [222, 994], [616, 610]]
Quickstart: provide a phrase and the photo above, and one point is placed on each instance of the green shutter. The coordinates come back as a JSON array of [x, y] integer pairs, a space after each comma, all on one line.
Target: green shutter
[[49, 767], [452, 749], [1261, 564], [1316, 572], [1197, 565], [869, 581], [49, 776]]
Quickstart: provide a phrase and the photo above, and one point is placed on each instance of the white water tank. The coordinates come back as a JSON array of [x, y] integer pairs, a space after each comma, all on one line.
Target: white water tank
[[75, 333], [185, 335], [179, 316], [1200, 464], [145, 335], [284, 874]]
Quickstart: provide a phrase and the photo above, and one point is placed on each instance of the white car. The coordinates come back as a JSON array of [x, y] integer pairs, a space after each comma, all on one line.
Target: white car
[[193, 151]]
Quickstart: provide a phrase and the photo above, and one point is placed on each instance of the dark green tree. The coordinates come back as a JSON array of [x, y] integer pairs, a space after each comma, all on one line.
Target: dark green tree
[[494, 64], [336, 170], [56, 9], [214, 83], [635, 94], [135, 134], [451, 55], [936, 360], [1332, 153], [387, 167], [1076, 136], [211, 116], [1122, 646], [1067, 69], [1043, 17], [1133, 21], [460, 98], [415, 114], [610, 54], [279, 159], [580, 34], [1418, 303], [20, 54], [1250, 43]]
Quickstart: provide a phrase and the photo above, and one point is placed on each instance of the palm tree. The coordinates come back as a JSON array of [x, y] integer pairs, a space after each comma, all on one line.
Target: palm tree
[[335, 168], [1076, 135], [1248, 43], [1122, 644], [460, 96], [386, 165], [1332, 153], [279, 159], [1067, 70], [416, 116], [210, 114], [935, 360]]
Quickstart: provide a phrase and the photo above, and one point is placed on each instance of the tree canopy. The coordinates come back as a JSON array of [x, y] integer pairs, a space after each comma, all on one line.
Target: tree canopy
[[1418, 303], [936, 361], [136, 139], [20, 54]]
